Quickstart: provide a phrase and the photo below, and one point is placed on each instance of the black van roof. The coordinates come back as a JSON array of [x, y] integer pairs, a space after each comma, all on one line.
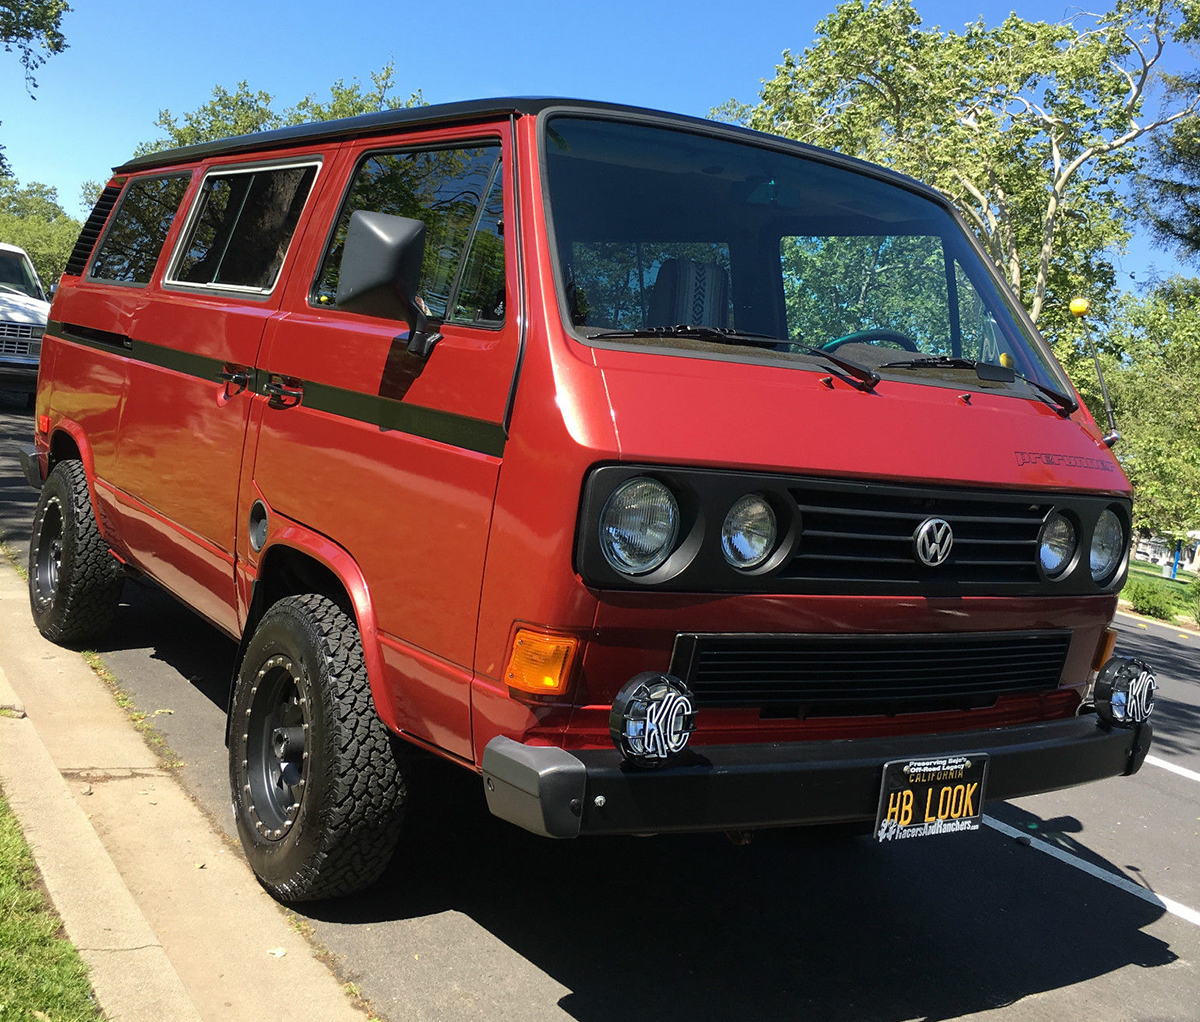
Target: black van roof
[[381, 123], [465, 112]]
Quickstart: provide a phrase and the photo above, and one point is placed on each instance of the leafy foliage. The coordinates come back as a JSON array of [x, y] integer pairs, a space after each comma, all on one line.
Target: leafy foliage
[[1148, 599], [1169, 191], [1152, 365], [245, 111], [1028, 127], [31, 27], [31, 217]]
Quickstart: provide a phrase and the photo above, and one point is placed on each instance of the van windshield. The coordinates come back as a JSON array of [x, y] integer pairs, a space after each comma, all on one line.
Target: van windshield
[[771, 255], [16, 274]]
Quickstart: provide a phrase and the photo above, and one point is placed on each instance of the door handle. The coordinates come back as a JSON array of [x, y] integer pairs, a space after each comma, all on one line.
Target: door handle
[[283, 394], [238, 377]]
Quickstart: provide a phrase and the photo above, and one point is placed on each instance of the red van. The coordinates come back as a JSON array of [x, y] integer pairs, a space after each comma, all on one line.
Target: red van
[[668, 475]]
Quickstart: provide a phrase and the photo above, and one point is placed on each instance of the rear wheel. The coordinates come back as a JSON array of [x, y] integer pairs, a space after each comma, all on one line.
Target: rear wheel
[[317, 786], [74, 581]]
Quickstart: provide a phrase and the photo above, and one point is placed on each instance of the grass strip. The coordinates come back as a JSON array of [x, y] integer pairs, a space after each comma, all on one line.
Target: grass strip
[[41, 973]]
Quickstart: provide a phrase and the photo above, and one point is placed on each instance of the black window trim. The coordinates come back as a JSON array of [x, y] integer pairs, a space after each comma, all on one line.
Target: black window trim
[[189, 173], [170, 283], [421, 147]]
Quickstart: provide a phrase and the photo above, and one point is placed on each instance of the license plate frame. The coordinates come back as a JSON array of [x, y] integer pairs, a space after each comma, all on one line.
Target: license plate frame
[[930, 795]]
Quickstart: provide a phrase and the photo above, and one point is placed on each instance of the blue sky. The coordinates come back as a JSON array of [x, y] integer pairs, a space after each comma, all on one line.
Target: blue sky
[[127, 61]]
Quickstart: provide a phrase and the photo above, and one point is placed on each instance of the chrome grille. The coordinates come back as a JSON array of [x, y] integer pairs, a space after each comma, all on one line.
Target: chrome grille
[[11, 347], [857, 674], [20, 330]]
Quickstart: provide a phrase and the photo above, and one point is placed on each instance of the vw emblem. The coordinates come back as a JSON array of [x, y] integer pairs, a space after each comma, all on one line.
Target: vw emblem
[[932, 541]]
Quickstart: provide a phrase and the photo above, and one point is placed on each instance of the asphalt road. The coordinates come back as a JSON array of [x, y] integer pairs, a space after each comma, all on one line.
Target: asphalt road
[[477, 920]]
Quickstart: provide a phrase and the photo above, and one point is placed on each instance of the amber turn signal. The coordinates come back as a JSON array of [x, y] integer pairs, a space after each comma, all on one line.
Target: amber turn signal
[[1108, 639], [540, 664], [43, 424]]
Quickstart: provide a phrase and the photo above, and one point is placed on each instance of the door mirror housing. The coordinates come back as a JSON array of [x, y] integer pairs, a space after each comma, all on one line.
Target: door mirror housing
[[380, 273]]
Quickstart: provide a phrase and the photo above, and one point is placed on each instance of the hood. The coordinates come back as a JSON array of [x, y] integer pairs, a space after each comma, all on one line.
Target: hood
[[20, 308], [733, 414]]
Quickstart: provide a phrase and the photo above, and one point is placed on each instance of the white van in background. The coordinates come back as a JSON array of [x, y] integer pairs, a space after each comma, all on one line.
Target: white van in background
[[23, 309]]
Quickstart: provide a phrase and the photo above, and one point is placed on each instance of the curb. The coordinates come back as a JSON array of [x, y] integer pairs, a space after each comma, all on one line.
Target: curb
[[169, 918], [129, 970]]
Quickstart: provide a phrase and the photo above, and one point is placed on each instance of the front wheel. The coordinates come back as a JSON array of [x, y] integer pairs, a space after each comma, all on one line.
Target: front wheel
[[74, 581], [317, 786]]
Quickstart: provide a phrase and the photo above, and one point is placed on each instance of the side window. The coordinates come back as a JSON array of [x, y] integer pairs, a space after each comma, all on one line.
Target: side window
[[457, 194], [241, 227], [480, 296], [131, 245]]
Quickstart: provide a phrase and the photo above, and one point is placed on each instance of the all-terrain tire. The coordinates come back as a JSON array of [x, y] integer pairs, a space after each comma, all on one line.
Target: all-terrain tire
[[75, 583], [317, 783]]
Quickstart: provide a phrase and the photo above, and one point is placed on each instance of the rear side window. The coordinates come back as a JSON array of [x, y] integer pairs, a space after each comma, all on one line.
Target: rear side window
[[458, 194], [241, 226], [131, 246]]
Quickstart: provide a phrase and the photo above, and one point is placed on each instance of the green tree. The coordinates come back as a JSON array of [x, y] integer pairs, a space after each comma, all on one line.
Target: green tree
[[1153, 373], [1169, 190], [245, 111], [31, 217], [33, 29], [30, 27], [1028, 127]]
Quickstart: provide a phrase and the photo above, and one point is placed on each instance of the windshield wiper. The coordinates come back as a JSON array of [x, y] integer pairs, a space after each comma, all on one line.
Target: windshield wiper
[[1067, 405], [856, 370]]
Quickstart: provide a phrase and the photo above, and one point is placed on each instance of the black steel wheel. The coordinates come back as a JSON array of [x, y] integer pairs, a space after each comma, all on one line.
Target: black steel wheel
[[74, 581], [317, 786]]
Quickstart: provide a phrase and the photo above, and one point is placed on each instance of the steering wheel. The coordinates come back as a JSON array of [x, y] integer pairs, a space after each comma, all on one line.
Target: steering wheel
[[870, 336]]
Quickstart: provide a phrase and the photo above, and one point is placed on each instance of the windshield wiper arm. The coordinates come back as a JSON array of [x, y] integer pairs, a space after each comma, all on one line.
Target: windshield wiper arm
[[728, 336], [1067, 405], [701, 333]]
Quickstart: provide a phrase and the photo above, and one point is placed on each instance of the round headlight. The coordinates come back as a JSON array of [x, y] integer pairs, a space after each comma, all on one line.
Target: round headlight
[[638, 526], [1057, 545], [748, 532], [1108, 545]]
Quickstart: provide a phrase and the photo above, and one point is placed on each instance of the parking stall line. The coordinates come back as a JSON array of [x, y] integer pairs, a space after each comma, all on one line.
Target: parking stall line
[[1121, 883], [1191, 775]]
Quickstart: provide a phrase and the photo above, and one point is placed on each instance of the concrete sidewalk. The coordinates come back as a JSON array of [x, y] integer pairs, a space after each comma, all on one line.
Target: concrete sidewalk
[[168, 916]]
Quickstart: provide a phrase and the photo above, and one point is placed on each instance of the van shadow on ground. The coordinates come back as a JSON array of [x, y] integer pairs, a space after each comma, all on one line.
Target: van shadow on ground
[[792, 926]]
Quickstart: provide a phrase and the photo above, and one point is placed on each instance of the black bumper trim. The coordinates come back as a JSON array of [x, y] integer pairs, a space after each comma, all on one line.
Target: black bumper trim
[[730, 787], [30, 465]]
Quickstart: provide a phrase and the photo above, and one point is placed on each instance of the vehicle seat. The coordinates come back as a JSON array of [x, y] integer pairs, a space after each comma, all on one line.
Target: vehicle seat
[[688, 293]]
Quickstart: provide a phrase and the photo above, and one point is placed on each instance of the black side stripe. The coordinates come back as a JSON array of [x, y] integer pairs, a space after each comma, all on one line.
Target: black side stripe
[[386, 413]]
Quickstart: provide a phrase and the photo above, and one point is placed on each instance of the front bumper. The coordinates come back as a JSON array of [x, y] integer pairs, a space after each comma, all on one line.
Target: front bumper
[[556, 793]]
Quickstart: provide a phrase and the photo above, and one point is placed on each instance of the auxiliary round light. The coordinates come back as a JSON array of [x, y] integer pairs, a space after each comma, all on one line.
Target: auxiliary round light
[[1124, 692], [1108, 546], [652, 718], [639, 526], [1057, 545], [749, 532]]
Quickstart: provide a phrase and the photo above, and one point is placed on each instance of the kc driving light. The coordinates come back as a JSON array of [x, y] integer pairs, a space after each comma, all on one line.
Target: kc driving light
[[1124, 692], [652, 718], [1057, 545], [638, 526], [1108, 546], [748, 532]]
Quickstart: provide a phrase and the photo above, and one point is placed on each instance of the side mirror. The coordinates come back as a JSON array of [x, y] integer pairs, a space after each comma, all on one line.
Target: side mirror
[[380, 273]]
